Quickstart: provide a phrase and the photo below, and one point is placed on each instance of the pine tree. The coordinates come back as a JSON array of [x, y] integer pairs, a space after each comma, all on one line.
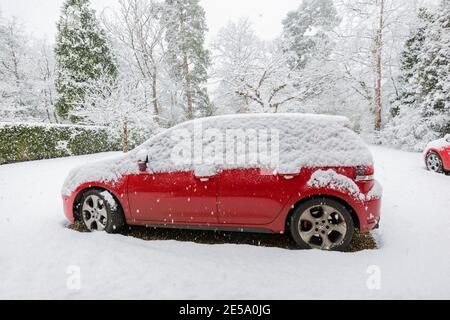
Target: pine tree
[[435, 74], [82, 54], [305, 30], [410, 63], [189, 60], [421, 113]]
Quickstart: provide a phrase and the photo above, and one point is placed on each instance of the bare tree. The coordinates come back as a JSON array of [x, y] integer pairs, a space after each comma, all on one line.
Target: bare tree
[[120, 106], [377, 54], [136, 25], [254, 70], [369, 45], [45, 78], [12, 50]]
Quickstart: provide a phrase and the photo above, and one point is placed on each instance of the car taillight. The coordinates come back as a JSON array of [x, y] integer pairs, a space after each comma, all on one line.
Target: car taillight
[[365, 173]]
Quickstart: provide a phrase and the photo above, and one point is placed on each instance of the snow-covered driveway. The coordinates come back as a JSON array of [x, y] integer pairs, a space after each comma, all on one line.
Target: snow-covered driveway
[[38, 253]]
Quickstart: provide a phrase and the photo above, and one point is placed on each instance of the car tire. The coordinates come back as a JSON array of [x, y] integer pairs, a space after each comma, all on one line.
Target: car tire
[[323, 224], [100, 211], [434, 162]]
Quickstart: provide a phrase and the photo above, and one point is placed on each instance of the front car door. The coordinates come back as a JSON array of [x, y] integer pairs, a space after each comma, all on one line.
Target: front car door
[[169, 192], [173, 198]]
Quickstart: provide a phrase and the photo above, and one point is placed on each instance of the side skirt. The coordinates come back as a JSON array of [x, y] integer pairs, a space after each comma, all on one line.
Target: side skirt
[[206, 228]]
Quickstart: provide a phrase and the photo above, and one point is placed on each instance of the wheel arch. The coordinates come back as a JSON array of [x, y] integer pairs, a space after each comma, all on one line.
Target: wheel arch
[[82, 192], [439, 155], [351, 210]]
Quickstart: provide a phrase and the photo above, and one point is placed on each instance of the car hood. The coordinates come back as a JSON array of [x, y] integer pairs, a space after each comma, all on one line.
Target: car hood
[[107, 170]]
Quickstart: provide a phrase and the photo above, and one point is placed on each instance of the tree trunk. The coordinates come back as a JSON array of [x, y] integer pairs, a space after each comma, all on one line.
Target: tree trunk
[[378, 51], [56, 117], [186, 72], [187, 79], [125, 145], [48, 114], [155, 96]]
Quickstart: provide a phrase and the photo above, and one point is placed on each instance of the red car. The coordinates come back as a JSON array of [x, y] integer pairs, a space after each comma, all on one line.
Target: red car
[[437, 155], [310, 176]]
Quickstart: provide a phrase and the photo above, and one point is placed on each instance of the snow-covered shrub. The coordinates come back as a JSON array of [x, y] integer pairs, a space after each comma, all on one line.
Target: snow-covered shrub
[[28, 142], [119, 106]]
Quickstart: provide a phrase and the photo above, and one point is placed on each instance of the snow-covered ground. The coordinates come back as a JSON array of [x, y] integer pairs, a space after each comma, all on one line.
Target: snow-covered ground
[[39, 256]]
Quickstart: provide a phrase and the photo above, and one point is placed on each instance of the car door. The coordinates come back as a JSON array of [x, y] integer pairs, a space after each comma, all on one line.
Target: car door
[[173, 198], [252, 196], [445, 154], [169, 191]]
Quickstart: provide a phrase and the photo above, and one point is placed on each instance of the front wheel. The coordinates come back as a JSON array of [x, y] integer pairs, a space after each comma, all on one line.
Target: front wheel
[[322, 224], [434, 163], [101, 212]]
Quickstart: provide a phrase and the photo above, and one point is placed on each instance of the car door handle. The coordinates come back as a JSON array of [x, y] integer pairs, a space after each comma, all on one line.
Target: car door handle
[[204, 179]]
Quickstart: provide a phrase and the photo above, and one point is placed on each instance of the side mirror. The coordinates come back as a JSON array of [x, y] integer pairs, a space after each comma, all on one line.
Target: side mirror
[[447, 138], [142, 160]]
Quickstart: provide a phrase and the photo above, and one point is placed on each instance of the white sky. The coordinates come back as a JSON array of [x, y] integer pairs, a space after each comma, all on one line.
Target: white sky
[[39, 16]]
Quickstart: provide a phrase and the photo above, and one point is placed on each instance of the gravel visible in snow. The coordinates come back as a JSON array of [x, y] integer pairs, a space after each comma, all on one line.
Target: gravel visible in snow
[[361, 242]]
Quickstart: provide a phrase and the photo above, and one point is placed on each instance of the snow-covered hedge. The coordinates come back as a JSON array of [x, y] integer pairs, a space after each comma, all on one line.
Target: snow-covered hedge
[[29, 141]]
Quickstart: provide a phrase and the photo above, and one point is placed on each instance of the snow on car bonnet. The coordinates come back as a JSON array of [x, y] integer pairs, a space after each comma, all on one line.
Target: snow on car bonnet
[[209, 145], [438, 144]]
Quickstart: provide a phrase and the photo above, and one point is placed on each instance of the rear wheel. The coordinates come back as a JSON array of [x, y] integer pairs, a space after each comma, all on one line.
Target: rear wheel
[[434, 163], [101, 212], [322, 224]]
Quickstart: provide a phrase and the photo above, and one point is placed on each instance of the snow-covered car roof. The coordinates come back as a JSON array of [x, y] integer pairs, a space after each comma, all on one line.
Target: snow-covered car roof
[[302, 141]]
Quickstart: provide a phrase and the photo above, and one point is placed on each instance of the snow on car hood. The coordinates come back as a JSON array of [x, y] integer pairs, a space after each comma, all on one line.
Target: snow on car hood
[[438, 144], [304, 141], [107, 170]]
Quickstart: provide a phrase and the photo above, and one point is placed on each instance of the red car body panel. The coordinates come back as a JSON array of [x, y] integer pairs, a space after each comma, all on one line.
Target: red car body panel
[[119, 189], [234, 199], [444, 153], [172, 198]]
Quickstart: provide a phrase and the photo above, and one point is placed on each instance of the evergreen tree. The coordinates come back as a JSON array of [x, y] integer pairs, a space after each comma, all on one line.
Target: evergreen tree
[[189, 60], [422, 110], [410, 63], [305, 30], [82, 54]]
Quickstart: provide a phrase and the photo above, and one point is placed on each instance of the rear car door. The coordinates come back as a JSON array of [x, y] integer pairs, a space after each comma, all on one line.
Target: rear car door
[[252, 196], [446, 157]]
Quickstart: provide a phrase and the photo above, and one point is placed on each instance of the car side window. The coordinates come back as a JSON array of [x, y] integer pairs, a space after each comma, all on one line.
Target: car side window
[[167, 151]]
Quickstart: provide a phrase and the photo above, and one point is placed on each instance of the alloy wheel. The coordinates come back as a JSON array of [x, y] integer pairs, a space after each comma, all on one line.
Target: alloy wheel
[[322, 227], [95, 214], [434, 163]]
